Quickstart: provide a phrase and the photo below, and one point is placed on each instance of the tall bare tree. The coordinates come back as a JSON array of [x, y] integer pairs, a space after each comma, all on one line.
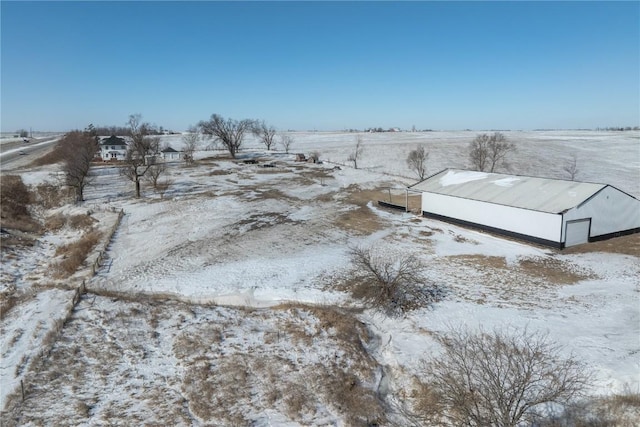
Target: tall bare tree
[[417, 161], [571, 167], [265, 132], [499, 379], [287, 142], [78, 150], [137, 160], [357, 152], [488, 152], [191, 140], [229, 132]]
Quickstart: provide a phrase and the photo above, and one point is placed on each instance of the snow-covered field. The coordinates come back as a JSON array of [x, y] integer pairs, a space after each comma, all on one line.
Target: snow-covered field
[[215, 305]]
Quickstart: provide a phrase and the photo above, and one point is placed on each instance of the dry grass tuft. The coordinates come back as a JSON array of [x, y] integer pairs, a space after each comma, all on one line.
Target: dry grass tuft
[[75, 253], [8, 300], [82, 221], [49, 196], [15, 199], [58, 221], [55, 222]]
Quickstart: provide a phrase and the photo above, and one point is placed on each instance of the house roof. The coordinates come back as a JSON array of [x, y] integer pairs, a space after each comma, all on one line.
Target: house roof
[[169, 150], [539, 194], [113, 140]]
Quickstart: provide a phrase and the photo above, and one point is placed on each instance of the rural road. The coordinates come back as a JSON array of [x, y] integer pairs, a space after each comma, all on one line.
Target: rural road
[[18, 154]]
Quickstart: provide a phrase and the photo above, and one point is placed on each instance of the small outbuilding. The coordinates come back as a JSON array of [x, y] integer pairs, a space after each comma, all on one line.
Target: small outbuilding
[[550, 212], [170, 154]]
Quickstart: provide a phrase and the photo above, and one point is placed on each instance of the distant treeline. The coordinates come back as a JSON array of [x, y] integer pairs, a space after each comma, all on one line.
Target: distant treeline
[[123, 130], [618, 129]]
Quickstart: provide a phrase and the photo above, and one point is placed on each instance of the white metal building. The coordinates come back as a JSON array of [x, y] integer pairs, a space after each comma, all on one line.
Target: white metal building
[[551, 212]]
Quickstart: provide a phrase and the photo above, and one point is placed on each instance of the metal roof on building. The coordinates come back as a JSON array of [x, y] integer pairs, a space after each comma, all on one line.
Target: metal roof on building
[[539, 194], [113, 140]]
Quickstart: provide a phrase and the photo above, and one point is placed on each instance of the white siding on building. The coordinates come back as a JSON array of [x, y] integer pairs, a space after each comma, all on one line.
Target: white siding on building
[[555, 212], [542, 225], [611, 211]]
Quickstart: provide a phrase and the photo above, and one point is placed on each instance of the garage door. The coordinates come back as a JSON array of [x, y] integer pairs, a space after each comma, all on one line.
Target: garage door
[[577, 232]]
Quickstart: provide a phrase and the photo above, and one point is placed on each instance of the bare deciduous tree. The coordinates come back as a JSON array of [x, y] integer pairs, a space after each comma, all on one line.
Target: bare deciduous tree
[[78, 149], [191, 141], [393, 283], [265, 132], [162, 186], [487, 152], [229, 132], [417, 161], [155, 171], [287, 142], [571, 167], [136, 162], [357, 152], [499, 379]]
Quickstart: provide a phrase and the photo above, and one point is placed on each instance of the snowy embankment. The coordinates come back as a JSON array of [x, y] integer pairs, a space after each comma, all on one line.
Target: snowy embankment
[[43, 304]]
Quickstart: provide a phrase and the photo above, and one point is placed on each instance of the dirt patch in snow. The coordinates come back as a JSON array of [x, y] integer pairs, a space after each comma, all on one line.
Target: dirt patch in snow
[[492, 280], [553, 270], [361, 221], [482, 261], [550, 270]]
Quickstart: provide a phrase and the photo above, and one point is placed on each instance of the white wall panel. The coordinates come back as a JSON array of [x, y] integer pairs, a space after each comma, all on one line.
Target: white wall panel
[[610, 211], [528, 222]]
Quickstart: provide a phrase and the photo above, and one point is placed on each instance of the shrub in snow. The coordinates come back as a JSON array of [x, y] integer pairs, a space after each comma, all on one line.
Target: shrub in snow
[[394, 284]]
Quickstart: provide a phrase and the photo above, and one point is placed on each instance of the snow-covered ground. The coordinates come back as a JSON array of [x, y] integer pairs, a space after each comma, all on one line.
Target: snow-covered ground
[[252, 238]]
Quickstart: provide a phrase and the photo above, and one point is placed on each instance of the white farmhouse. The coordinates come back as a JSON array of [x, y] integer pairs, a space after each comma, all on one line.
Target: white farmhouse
[[551, 212], [113, 148]]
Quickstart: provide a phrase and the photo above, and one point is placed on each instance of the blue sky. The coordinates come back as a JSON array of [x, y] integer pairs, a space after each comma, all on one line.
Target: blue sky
[[321, 65]]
